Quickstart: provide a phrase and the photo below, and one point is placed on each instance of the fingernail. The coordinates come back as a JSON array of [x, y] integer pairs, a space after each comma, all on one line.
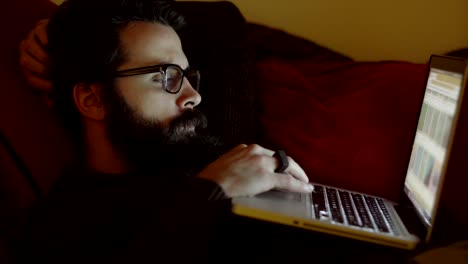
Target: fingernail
[[310, 188]]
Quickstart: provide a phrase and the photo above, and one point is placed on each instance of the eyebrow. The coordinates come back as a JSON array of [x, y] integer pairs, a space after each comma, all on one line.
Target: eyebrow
[[159, 63], [167, 62]]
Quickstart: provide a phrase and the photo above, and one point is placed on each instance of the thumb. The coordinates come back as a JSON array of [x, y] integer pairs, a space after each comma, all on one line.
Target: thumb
[[289, 183]]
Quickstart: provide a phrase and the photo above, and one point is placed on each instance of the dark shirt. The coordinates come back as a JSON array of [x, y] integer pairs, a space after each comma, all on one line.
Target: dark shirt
[[134, 218], [102, 218]]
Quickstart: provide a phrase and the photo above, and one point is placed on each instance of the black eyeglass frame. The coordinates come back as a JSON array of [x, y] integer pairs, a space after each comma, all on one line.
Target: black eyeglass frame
[[187, 73]]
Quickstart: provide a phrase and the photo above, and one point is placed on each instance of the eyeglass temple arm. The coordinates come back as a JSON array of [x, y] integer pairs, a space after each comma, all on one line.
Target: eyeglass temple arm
[[138, 71]]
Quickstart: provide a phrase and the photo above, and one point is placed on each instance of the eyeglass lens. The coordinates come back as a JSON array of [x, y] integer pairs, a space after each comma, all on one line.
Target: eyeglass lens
[[174, 78]]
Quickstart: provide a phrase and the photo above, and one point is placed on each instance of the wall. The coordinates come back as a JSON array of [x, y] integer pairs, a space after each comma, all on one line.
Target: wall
[[369, 29], [408, 30], [57, 2]]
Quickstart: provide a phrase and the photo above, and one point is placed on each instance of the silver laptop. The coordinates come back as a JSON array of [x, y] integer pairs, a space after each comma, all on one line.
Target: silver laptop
[[373, 219]]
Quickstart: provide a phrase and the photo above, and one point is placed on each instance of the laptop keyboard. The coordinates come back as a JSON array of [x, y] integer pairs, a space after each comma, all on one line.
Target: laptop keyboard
[[348, 208], [362, 211], [351, 208], [334, 206], [378, 217]]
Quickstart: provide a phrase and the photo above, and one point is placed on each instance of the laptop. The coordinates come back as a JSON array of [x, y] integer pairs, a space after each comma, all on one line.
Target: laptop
[[373, 219]]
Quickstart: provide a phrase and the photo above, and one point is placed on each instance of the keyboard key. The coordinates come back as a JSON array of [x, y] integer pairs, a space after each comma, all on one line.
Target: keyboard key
[[387, 215], [318, 189], [348, 208], [362, 210], [318, 201], [376, 214], [334, 205]]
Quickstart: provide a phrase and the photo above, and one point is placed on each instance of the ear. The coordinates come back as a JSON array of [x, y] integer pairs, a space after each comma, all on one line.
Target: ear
[[88, 100]]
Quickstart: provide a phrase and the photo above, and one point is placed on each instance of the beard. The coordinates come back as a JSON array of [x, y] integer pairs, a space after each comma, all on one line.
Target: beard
[[183, 147]]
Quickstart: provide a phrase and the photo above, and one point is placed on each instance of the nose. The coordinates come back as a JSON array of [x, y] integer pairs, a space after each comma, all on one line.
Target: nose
[[188, 96]]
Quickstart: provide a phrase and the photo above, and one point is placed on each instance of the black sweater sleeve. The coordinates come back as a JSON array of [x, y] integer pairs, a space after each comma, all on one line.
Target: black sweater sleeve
[[188, 229], [137, 221]]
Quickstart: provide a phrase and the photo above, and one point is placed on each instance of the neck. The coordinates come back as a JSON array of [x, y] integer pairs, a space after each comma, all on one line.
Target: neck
[[100, 154]]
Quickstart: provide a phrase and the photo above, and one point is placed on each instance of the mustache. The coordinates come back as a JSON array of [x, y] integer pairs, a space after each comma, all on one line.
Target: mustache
[[190, 118]]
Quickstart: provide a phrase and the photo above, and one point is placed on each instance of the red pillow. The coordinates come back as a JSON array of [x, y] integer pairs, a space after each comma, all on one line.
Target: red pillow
[[34, 148], [348, 124], [17, 19]]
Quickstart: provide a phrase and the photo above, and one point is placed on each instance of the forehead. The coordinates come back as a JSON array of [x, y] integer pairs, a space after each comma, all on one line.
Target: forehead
[[148, 43]]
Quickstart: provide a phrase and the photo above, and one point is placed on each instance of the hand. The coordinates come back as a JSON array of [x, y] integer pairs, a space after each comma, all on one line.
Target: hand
[[34, 59], [249, 170]]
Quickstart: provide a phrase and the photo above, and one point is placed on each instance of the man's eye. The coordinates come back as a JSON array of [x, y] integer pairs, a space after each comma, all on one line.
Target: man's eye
[[158, 78]]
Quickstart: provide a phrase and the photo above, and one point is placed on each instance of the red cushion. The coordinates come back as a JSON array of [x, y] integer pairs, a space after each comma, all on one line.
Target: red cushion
[[348, 124], [34, 149], [30, 128], [17, 18]]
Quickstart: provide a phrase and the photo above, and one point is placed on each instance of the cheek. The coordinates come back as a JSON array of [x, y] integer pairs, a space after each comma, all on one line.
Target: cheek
[[149, 103]]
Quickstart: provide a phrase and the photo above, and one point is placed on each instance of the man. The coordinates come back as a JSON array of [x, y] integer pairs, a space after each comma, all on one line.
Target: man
[[151, 184]]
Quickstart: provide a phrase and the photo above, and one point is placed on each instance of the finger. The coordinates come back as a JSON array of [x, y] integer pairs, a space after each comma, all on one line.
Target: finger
[[39, 83], [289, 183], [32, 48], [236, 149], [296, 171], [32, 65], [42, 21], [240, 146], [256, 149], [41, 32], [38, 51], [39, 43]]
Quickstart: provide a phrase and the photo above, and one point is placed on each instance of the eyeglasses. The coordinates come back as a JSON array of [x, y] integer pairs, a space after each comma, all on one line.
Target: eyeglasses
[[171, 76]]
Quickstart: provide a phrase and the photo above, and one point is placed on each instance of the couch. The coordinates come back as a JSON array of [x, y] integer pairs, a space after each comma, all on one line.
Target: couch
[[347, 123]]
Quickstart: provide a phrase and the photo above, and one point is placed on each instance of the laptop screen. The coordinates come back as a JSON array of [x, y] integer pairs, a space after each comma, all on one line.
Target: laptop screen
[[434, 130]]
